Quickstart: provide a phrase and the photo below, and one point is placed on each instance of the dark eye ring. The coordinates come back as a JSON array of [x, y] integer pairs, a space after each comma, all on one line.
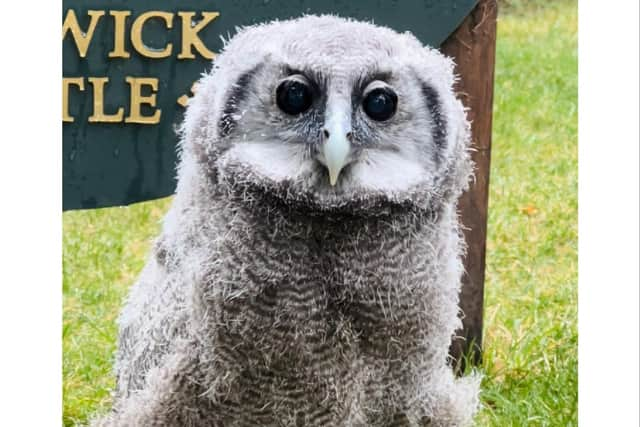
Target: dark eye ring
[[380, 103], [294, 95]]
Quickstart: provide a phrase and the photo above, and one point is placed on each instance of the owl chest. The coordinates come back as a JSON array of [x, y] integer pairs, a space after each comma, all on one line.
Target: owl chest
[[310, 331], [303, 301]]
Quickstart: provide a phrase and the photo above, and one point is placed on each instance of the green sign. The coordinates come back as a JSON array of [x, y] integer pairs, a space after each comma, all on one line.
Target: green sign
[[129, 67]]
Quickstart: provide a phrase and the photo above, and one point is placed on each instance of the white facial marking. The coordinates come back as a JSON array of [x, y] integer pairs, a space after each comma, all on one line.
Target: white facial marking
[[273, 160], [387, 171]]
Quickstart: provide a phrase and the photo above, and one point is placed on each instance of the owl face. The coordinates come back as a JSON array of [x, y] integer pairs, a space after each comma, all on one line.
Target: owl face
[[331, 112]]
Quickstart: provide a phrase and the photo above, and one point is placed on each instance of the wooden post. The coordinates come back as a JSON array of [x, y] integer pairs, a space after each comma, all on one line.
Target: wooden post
[[473, 47]]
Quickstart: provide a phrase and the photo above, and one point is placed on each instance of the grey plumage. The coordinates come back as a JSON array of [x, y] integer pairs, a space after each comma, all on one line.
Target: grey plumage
[[273, 298]]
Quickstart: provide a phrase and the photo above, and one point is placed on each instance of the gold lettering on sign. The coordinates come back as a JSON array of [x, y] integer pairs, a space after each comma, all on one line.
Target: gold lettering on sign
[[190, 34], [119, 20], [80, 37], [135, 114], [98, 103], [136, 34], [184, 99], [143, 91], [66, 82]]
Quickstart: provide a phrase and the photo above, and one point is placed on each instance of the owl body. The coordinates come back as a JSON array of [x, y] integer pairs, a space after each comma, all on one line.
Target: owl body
[[303, 278]]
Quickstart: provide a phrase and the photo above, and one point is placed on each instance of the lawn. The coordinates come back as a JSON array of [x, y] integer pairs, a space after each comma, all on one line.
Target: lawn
[[530, 360], [531, 336]]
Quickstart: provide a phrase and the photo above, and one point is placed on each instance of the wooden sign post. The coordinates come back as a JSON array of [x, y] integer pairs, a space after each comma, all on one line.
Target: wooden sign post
[[473, 46]]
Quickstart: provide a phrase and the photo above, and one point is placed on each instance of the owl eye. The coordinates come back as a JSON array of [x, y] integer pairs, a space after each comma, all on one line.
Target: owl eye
[[380, 103], [294, 96]]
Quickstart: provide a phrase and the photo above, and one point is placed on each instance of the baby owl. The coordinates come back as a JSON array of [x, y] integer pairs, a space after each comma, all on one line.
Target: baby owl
[[308, 271]]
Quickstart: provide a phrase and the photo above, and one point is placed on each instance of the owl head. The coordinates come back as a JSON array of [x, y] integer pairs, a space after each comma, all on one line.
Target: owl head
[[327, 114]]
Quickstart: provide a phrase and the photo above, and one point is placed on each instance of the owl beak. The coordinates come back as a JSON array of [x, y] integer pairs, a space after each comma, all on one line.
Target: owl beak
[[336, 148]]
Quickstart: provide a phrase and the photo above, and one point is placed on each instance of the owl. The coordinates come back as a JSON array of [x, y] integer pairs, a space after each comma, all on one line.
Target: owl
[[308, 270]]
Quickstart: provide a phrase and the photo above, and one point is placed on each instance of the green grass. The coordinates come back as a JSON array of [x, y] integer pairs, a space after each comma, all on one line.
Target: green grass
[[103, 251], [531, 334], [530, 359]]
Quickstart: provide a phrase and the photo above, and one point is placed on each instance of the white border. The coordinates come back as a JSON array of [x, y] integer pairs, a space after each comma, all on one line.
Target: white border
[[31, 221], [608, 219]]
